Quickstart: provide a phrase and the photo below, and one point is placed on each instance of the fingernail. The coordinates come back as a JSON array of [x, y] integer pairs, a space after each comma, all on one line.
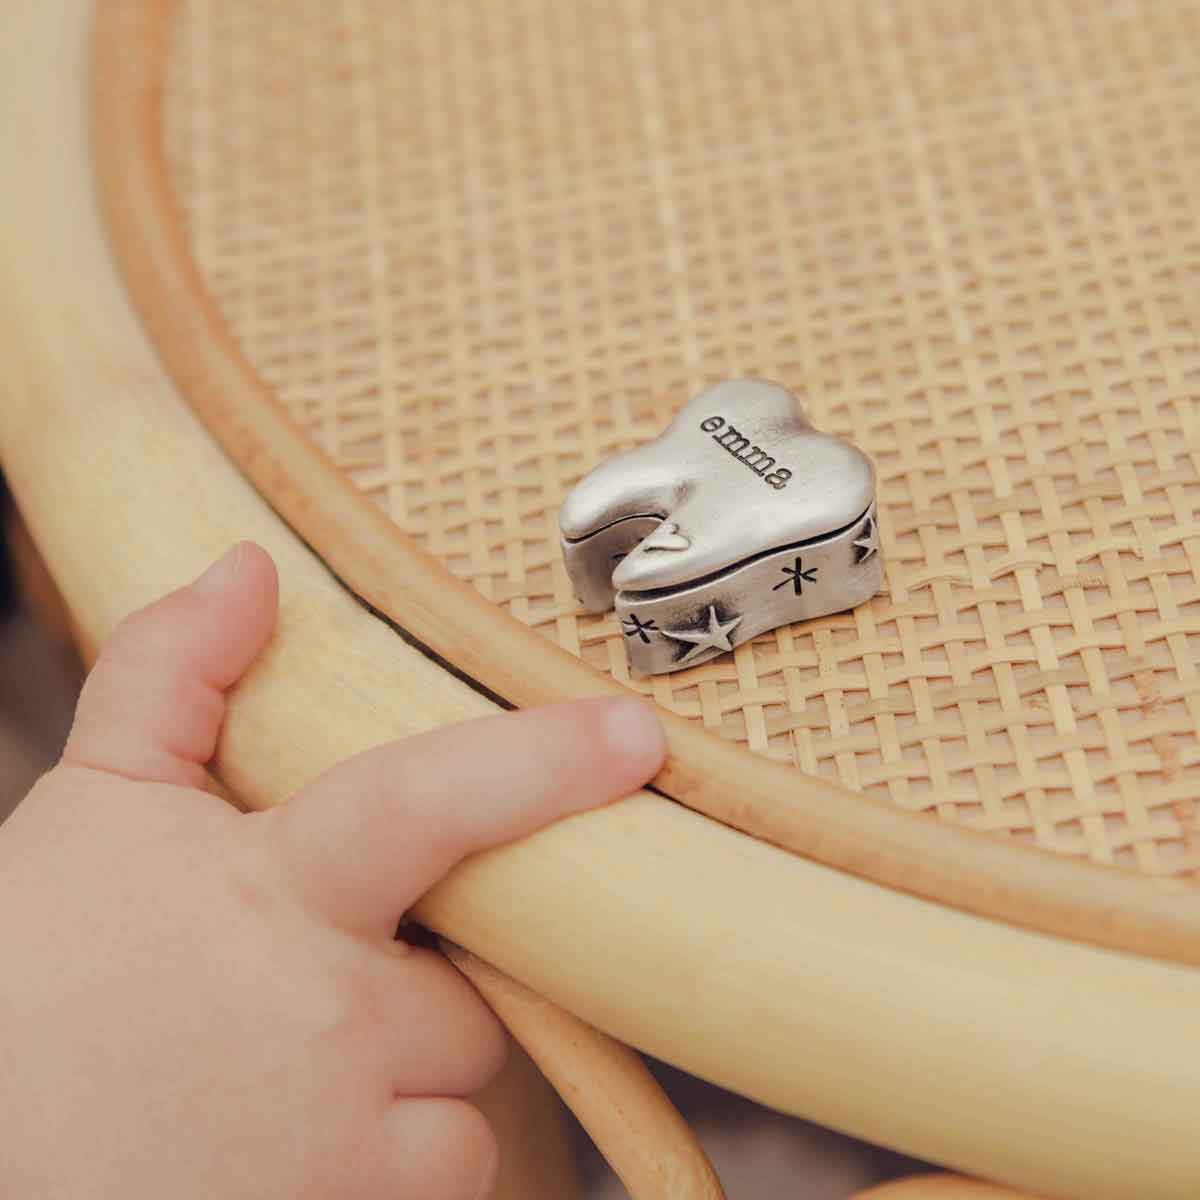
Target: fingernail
[[222, 572], [633, 731]]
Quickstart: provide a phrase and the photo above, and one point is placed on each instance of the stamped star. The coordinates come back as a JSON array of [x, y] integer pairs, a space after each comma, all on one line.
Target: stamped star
[[867, 542], [797, 576], [715, 637], [633, 627]]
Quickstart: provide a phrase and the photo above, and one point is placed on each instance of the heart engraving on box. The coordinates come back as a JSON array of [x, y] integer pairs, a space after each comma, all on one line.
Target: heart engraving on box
[[665, 537]]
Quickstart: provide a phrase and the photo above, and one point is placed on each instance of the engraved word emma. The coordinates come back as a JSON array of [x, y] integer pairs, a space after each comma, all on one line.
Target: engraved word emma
[[759, 461]]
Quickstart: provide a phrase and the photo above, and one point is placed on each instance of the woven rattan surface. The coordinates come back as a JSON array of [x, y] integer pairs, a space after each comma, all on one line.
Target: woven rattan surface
[[476, 247]]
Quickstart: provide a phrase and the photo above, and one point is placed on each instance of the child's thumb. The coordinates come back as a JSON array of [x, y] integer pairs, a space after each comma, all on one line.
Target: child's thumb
[[153, 704]]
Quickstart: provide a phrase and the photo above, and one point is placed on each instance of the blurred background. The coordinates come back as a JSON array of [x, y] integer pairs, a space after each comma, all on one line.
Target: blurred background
[[760, 1155]]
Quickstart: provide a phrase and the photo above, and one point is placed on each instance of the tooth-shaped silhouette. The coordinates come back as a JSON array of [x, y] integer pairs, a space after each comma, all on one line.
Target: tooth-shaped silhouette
[[739, 496]]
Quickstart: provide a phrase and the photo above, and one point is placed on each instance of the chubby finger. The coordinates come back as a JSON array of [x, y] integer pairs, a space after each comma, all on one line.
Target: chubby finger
[[437, 1149], [372, 835], [461, 1046], [153, 704]]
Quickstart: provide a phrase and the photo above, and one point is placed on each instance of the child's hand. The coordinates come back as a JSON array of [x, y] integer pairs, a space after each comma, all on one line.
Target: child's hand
[[199, 1003]]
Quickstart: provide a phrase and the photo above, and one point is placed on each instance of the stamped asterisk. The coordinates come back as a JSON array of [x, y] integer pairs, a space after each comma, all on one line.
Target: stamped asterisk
[[633, 627], [797, 576]]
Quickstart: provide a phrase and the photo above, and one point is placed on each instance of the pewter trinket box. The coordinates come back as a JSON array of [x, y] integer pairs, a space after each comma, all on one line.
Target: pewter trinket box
[[738, 518]]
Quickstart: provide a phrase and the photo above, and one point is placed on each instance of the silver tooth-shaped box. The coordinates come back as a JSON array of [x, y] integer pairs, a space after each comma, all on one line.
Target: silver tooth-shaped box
[[738, 518]]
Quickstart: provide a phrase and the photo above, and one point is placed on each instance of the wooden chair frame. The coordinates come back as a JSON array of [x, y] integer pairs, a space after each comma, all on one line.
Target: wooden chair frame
[[906, 982]]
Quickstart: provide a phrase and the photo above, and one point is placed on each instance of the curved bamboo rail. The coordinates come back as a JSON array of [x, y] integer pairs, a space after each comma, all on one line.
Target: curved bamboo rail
[[645, 1140], [529, 1121], [1013, 1055], [773, 802]]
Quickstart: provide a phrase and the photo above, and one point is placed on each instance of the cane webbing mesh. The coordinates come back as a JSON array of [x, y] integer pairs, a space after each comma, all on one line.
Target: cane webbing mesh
[[478, 247]]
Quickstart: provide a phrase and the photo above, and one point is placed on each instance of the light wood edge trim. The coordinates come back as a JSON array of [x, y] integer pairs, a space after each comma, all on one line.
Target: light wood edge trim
[[1010, 1055], [773, 802], [607, 1086]]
